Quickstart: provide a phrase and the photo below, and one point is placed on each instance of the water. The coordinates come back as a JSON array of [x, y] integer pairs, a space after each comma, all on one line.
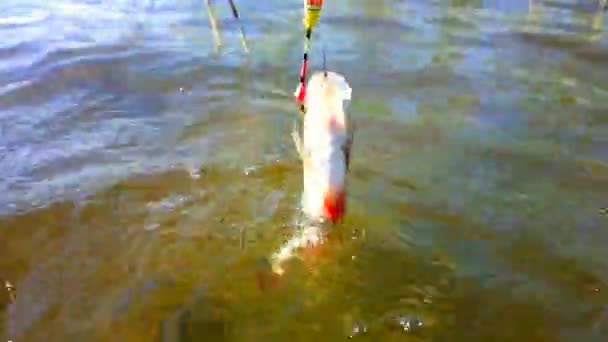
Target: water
[[147, 177]]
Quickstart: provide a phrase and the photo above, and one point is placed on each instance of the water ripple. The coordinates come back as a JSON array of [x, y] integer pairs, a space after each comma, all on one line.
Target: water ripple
[[138, 167]]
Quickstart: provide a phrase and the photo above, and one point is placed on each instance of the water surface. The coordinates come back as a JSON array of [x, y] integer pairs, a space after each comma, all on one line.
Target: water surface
[[147, 176]]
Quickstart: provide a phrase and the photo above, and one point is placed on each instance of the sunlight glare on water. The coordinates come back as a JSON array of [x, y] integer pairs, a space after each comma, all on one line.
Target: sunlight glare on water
[[148, 180]]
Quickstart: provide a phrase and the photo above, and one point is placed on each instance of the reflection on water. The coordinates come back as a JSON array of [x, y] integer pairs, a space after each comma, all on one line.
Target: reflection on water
[[148, 181]]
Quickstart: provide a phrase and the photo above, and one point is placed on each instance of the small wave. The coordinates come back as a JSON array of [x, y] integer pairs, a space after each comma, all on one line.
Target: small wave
[[92, 12], [37, 83], [368, 23], [167, 204], [27, 19], [14, 86]]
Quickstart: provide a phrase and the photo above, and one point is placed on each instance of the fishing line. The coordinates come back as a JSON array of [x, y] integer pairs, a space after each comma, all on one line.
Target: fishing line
[[324, 62], [214, 27], [235, 14], [312, 13]]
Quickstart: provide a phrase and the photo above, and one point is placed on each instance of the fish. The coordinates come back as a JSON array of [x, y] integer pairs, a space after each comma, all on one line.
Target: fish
[[324, 147], [12, 292], [322, 164], [306, 238]]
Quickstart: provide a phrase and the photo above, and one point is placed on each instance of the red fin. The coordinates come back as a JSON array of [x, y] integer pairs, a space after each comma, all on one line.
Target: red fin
[[267, 279], [334, 205]]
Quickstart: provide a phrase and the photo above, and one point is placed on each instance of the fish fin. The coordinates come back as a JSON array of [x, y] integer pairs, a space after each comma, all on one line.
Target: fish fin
[[344, 88], [346, 151], [346, 148], [302, 111], [297, 140]]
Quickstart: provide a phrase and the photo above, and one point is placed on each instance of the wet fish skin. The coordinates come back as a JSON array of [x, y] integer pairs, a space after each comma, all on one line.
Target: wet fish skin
[[325, 146]]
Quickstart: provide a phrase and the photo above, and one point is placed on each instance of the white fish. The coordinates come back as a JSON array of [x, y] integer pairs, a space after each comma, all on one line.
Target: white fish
[[325, 147]]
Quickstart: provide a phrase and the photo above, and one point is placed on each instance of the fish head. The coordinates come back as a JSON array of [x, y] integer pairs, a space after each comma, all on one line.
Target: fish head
[[327, 87]]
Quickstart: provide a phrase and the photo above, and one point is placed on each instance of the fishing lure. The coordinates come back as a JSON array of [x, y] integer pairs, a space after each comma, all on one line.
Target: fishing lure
[[324, 148], [312, 13]]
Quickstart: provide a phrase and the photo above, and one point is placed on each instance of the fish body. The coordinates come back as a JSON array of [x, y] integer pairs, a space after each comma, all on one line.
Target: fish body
[[325, 147]]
